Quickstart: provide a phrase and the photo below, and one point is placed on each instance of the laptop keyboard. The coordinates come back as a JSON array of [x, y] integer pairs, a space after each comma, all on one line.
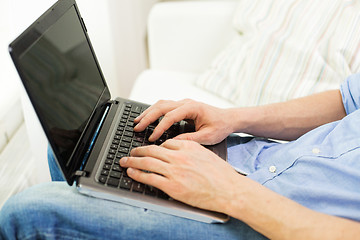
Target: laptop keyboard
[[125, 139]]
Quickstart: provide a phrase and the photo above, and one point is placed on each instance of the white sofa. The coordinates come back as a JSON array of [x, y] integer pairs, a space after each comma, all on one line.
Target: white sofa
[[183, 39]]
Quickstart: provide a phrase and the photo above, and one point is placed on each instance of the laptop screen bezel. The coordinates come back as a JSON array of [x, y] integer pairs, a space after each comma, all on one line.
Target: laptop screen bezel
[[21, 44]]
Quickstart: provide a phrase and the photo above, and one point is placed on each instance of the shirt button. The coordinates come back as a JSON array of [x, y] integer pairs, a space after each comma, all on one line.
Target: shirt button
[[272, 169], [316, 151]]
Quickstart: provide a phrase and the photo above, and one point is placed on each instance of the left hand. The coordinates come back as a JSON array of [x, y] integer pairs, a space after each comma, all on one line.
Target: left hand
[[186, 171]]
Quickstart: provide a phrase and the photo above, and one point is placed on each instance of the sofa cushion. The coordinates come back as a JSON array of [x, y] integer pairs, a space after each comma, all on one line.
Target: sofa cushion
[[286, 49], [153, 85]]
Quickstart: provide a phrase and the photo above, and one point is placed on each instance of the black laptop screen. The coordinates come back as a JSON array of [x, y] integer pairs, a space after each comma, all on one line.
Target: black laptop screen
[[63, 81]]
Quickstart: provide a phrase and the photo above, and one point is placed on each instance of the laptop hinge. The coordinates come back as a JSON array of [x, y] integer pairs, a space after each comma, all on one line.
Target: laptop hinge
[[80, 173], [113, 102]]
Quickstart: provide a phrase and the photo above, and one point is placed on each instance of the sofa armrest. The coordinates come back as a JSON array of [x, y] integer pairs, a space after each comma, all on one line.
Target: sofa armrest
[[186, 36]]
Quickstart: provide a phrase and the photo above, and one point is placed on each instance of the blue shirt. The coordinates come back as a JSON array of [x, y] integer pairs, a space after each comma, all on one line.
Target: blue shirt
[[320, 170]]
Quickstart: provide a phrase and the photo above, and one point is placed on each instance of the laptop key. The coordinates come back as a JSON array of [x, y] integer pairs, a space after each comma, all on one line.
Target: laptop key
[[120, 155], [102, 179], [136, 144], [105, 172], [125, 183], [123, 150], [163, 195], [125, 172], [107, 167], [125, 144], [117, 168], [136, 109], [128, 134], [138, 139], [114, 182], [140, 134], [109, 161], [138, 187], [115, 174], [150, 190], [126, 139], [130, 129], [130, 124]]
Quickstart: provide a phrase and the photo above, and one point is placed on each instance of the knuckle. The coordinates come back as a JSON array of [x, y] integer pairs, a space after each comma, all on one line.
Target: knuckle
[[206, 135], [188, 100], [146, 120], [146, 162], [192, 144], [168, 118], [160, 102], [163, 102], [133, 152], [151, 177], [189, 137]]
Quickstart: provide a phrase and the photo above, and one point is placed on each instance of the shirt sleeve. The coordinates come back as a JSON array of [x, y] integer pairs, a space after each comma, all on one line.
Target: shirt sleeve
[[350, 91]]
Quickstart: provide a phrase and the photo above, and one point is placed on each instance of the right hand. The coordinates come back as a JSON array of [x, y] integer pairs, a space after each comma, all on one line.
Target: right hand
[[212, 124]]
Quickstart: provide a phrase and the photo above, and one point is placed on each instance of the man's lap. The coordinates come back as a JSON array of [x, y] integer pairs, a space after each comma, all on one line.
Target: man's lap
[[55, 209]]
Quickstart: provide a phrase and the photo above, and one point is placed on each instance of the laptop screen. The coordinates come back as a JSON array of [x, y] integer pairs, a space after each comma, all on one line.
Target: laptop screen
[[63, 81]]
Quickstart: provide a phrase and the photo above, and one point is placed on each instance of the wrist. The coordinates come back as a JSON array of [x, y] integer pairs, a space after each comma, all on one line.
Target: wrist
[[243, 119], [238, 203]]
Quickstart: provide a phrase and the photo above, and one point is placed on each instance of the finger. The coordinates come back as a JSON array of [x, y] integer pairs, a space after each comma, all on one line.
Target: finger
[[195, 136], [172, 144], [174, 116], [153, 113], [144, 163], [200, 137], [149, 109], [152, 179], [153, 151], [146, 111]]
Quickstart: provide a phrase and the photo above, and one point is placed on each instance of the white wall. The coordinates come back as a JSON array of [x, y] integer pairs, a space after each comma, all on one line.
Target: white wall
[[8, 86], [129, 35]]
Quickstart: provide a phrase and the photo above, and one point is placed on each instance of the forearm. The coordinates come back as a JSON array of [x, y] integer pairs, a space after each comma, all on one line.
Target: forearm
[[289, 120], [280, 218]]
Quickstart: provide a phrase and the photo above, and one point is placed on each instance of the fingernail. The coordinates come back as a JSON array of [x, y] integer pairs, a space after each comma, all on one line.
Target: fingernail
[[151, 138], [137, 125], [123, 161], [130, 171]]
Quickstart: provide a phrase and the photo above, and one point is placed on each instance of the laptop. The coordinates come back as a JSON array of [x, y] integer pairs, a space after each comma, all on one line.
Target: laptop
[[88, 131]]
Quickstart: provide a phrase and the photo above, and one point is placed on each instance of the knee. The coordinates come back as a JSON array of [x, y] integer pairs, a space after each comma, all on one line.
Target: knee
[[23, 213], [16, 214], [21, 205]]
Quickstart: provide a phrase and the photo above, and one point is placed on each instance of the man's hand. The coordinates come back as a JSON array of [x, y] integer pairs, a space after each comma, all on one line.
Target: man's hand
[[211, 123], [186, 171], [194, 175]]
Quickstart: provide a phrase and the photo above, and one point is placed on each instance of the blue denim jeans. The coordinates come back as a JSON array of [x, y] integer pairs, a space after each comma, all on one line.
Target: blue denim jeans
[[55, 210]]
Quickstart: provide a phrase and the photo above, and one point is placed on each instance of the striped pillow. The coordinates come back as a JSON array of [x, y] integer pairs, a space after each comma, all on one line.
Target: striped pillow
[[286, 49]]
